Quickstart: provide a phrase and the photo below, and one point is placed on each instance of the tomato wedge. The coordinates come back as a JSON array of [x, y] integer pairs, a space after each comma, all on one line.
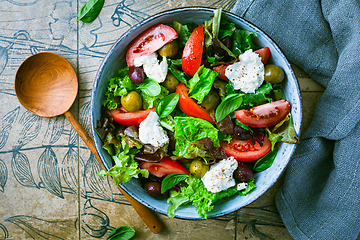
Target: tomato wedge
[[191, 57], [265, 115], [130, 118], [166, 166], [243, 151], [264, 53], [189, 106], [221, 71], [149, 41]]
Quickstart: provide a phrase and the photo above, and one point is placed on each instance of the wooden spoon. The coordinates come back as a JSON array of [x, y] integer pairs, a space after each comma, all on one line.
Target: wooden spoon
[[47, 85]]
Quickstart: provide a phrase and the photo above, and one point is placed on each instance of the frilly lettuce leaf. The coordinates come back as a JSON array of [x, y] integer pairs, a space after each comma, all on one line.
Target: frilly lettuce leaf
[[118, 86], [188, 130]]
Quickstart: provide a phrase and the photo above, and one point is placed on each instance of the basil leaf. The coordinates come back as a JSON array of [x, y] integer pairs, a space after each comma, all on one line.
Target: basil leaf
[[228, 105], [171, 180], [266, 161], [150, 87], [167, 104], [90, 10], [121, 233]]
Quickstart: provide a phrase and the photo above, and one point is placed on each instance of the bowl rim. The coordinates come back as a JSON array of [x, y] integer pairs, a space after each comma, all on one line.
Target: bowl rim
[[158, 15]]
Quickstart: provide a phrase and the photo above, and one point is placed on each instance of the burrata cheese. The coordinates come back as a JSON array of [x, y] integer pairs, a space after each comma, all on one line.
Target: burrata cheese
[[247, 74]]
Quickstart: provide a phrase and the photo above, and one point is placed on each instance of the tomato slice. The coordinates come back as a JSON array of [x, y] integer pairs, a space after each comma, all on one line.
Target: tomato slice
[[265, 115], [130, 118], [149, 41], [190, 107], [166, 166], [191, 58], [243, 151], [264, 53], [221, 71]]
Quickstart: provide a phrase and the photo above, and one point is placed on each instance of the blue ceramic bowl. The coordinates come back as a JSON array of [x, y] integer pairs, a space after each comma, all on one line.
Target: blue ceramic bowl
[[115, 59]]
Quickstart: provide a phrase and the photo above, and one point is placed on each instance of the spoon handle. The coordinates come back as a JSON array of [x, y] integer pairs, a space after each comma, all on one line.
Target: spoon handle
[[145, 213]]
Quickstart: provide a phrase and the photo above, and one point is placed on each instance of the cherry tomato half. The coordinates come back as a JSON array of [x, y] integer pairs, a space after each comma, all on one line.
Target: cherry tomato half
[[189, 106], [265, 115], [149, 41], [243, 151], [264, 53], [130, 118], [191, 58], [166, 166]]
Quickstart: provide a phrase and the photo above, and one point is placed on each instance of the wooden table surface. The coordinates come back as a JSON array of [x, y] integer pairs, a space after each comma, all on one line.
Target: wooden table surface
[[48, 183]]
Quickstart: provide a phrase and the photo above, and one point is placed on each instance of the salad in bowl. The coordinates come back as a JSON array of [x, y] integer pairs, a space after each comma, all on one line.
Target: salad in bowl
[[195, 118]]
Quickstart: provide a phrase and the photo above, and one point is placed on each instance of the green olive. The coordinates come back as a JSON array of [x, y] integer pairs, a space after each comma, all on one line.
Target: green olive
[[198, 168], [171, 82], [132, 101], [169, 50], [211, 101], [273, 74]]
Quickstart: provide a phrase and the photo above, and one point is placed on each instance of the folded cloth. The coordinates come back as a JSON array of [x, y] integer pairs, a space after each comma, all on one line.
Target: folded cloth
[[320, 198]]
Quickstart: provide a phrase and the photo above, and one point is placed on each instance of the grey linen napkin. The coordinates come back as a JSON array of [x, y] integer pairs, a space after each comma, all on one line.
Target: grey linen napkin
[[320, 198]]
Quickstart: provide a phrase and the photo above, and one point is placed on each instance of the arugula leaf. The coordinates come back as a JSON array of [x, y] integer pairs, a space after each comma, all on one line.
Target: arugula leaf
[[118, 86], [229, 104], [242, 41], [121, 233], [266, 161], [167, 104], [150, 87], [171, 180], [90, 10]]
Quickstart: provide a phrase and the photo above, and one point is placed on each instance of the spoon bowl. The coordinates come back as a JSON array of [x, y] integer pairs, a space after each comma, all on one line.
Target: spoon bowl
[[46, 85]]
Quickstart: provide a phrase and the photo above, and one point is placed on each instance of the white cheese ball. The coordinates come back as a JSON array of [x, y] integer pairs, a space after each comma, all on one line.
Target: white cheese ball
[[152, 68], [246, 75], [150, 131], [220, 176]]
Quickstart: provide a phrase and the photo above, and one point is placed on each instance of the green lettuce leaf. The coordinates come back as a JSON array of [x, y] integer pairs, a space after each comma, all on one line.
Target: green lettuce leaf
[[118, 86], [124, 169], [250, 186], [196, 193], [188, 130]]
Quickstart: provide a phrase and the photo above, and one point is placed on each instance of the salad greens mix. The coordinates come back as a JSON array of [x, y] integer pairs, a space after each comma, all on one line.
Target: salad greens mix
[[204, 117]]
